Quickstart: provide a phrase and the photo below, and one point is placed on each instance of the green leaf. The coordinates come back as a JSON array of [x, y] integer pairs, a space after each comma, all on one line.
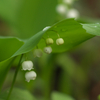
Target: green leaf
[[30, 44], [8, 46], [60, 96], [92, 28], [71, 31], [18, 94], [11, 46]]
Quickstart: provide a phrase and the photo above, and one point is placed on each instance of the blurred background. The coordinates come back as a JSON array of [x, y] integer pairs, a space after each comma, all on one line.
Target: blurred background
[[75, 73]]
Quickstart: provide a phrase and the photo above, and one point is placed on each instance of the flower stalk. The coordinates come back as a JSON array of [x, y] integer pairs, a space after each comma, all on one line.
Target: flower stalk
[[15, 75]]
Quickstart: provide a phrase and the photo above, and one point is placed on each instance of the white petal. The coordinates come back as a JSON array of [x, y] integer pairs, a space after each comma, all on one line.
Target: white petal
[[38, 53], [72, 13], [30, 76], [27, 65], [60, 41], [68, 1], [61, 9], [49, 41], [48, 50]]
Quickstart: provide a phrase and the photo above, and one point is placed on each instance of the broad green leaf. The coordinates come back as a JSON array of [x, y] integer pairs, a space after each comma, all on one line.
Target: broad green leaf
[[60, 96], [92, 28], [34, 15], [8, 46], [71, 31], [12, 46], [30, 44], [18, 94]]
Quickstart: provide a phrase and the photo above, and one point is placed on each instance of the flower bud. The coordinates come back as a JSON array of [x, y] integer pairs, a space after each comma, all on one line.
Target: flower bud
[[68, 1], [48, 50], [27, 65], [61, 9], [59, 41], [49, 41], [30, 76], [37, 53], [46, 28], [72, 13]]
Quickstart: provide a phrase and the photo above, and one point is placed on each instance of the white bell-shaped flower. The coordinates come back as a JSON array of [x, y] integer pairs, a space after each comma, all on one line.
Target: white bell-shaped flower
[[61, 9], [27, 65], [37, 53], [30, 76], [46, 28], [60, 41], [68, 1], [49, 41], [72, 13], [48, 50]]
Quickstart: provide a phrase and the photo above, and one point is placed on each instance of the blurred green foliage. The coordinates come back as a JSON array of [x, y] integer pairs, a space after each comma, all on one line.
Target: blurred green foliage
[[75, 73], [18, 94], [59, 96], [28, 17]]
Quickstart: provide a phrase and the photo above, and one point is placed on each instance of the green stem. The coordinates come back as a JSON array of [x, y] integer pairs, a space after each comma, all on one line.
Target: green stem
[[56, 33], [16, 72], [44, 40]]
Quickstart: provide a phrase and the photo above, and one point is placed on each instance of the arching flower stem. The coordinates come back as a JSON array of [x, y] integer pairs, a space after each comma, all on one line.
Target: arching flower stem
[[15, 75]]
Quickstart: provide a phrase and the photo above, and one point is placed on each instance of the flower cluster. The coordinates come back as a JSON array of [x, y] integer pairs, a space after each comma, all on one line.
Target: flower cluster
[[65, 9], [28, 65], [47, 49], [50, 41], [30, 75]]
